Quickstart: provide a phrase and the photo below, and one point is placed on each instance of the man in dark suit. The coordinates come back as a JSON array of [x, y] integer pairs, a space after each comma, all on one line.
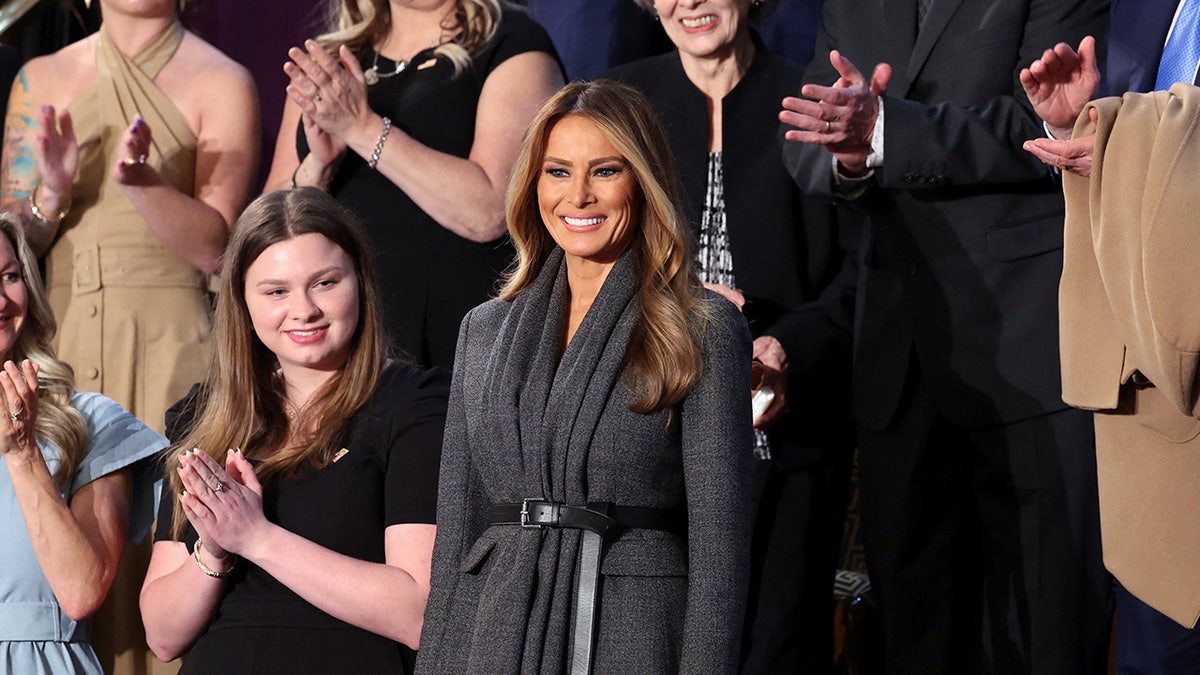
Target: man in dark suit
[[1152, 44], [978, 483]]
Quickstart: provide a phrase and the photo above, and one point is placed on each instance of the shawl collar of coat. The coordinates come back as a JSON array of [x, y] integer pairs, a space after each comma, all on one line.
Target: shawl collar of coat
[[541, 451]]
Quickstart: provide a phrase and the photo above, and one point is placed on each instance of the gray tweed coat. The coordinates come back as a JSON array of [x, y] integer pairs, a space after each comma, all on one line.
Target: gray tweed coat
[[524, 423]]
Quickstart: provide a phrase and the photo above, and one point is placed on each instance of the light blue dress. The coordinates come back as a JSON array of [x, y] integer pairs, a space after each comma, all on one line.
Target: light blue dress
[[36, 636]]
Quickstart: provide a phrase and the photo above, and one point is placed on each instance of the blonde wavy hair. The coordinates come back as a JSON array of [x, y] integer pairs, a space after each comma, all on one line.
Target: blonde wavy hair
[[241, 403], [361, 24], [666, 354], [58, 421]]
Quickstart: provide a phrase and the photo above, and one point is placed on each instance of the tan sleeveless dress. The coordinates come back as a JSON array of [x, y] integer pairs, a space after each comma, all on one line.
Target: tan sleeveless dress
[[133, 317]]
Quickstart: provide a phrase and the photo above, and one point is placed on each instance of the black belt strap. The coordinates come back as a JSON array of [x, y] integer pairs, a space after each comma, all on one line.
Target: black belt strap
[[598, 520]]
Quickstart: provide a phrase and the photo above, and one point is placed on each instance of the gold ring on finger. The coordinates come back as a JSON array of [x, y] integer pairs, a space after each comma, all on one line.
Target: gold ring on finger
[[220, 486], [828, 126]]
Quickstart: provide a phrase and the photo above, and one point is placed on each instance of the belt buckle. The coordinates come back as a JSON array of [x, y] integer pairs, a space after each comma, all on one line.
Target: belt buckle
[[525, 514], [549, 516]]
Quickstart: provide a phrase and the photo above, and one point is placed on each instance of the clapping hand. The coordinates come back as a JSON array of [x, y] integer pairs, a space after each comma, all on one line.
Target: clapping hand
[[840, 117], [56, 153], [20, 391], [134, 150], [223, 504]]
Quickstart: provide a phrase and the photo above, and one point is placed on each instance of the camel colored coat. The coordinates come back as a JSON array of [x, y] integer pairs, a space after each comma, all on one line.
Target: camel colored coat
[[1129, 303]]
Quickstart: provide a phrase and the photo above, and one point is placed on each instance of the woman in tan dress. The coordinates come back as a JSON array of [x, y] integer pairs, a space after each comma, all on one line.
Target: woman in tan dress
[[129, 193]]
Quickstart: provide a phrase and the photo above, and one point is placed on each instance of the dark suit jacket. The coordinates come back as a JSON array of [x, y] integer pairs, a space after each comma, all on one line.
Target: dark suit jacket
[[786, 253], [1138, 30], [964, 236]]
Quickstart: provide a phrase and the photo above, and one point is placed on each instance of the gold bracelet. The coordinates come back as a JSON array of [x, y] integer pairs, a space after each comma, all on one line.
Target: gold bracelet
[[37, 213], [205, 568]]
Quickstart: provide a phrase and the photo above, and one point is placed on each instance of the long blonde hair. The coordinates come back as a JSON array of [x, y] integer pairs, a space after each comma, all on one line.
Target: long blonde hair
[[361, 24], [58, 421], [666, 353], [242, 401]]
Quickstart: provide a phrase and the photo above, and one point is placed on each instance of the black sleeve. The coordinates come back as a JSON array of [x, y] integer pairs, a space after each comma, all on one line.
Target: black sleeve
[[417, 400], [179, 419], [517, 34]]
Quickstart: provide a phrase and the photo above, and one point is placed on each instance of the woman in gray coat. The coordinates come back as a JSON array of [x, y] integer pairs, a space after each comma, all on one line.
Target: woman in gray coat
[[592, 511]]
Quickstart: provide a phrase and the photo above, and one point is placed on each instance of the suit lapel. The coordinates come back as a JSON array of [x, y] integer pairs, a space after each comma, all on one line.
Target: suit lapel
[[935, 24]]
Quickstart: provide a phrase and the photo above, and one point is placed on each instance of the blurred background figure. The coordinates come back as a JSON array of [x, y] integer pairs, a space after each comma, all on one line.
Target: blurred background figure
[[599, 424], [306, 549], [411, 115], [1148, 515], [592, 36], [126, 172], [775, 253], [978, 483], [71, 492]]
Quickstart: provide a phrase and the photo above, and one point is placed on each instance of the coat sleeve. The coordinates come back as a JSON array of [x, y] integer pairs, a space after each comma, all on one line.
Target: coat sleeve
[[455, 505], [716, 453]]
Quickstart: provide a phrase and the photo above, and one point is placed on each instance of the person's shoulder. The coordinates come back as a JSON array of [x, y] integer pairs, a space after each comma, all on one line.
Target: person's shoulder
[[92, 404], [61, 69], [211, 66], [645, 71], [487, 316], [516, 33], [725, 324], [403, 384], [515, 21]]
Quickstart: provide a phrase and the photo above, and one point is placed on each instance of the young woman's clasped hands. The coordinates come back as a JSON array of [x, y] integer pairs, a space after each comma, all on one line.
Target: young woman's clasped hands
[[224, 505]]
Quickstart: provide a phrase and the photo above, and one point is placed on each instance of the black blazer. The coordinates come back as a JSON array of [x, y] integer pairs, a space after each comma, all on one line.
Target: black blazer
[[963, 249], [786, 252]]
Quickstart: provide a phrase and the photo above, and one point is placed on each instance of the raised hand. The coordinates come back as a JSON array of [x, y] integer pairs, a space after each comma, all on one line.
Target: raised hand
[[133, 151], [840, 117], [1061, 83], [330, 93], [19, 386], [56, 152]]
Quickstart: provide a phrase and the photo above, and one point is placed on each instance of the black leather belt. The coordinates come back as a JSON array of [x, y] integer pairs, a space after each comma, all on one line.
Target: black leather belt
[[598, 520]]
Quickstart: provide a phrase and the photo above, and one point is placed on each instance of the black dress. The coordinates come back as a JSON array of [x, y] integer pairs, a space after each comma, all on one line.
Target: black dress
[[388, 477], [429, 276]]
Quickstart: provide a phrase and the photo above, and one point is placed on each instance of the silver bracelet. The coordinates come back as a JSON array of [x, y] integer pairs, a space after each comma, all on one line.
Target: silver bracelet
[[387, 127], [205, 568]]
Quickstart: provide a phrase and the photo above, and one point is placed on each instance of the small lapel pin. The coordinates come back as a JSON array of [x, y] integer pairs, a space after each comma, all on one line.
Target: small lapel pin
[[340, 454], [428, 64]]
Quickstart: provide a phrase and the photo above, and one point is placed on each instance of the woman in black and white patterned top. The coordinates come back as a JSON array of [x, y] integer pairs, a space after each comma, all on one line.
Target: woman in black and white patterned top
[[776, 254]]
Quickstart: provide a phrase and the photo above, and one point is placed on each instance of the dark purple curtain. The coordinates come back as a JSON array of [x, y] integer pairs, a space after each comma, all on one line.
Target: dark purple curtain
[[257, 34]]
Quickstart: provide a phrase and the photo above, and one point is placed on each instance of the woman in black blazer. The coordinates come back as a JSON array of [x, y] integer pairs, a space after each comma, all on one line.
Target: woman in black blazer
[[776, 254]]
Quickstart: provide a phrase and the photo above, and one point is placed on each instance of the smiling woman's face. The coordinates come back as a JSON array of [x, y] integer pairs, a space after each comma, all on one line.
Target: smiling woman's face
[[587, 193], [704, 28], [14, 298], [302, 296]]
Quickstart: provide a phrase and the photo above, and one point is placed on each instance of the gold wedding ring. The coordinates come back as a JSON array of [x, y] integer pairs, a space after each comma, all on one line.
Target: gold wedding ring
[[828, 126], [131, 161]]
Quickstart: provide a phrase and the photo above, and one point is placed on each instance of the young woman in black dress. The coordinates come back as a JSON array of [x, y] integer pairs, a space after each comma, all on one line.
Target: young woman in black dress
[[304, 469]]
